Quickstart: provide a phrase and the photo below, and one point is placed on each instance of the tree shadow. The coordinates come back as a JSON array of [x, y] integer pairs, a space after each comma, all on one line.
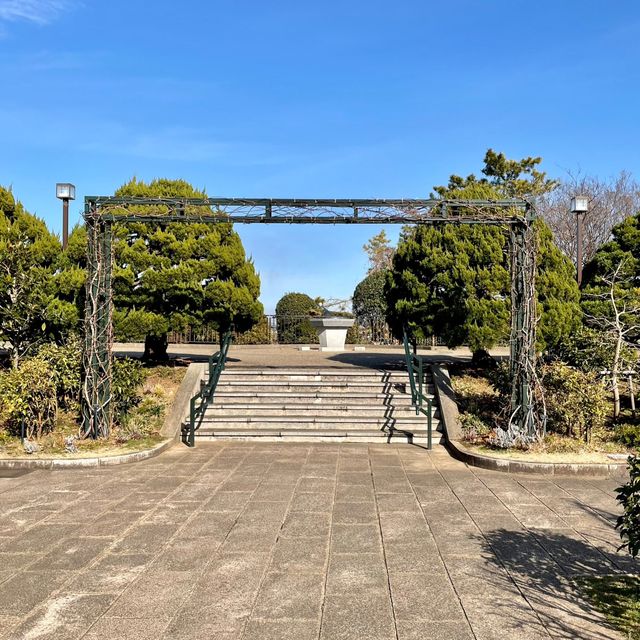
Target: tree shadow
[[391, 361], [548, 566]]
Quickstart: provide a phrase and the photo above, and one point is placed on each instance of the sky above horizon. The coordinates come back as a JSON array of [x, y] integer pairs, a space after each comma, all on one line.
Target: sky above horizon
[[311, 100]]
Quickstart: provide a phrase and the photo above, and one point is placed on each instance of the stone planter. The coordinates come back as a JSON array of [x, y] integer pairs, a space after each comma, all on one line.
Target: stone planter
[[332, 332]]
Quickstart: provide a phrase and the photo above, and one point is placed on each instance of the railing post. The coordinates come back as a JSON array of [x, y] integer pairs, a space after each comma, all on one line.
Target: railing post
[[429, 425], [192, 422]]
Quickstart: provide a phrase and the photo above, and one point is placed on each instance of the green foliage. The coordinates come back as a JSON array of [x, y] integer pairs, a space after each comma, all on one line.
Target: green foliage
[[629, 497], [557, 292], [576, 401], [136, 324], [29, 310], [29, 395], [453, 281], [623, 247], [368, 297], [260, 333], [591, 350], [128, 375], [167, 277], [65, 363], [292, 311], [629, 435], [619, 257]]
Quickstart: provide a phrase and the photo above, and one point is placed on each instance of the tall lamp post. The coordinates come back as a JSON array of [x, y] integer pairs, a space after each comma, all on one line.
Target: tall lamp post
[[579, 206], [65, 191]]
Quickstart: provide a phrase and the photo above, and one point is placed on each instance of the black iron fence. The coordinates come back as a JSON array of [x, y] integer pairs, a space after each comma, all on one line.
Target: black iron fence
[[272, 329]]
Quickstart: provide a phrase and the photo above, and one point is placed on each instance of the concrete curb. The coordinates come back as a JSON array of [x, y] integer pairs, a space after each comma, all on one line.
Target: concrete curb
[[31, 464], [452, 429], [171, 431]]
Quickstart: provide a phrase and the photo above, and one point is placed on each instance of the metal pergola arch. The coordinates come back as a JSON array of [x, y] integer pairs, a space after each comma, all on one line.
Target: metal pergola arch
[[101, 212]]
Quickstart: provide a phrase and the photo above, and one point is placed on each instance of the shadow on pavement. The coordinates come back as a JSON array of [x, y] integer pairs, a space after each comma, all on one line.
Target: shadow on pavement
[[544, 564]]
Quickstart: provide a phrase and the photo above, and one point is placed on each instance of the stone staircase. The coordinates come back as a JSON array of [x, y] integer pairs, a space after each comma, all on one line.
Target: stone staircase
[[340, 404]]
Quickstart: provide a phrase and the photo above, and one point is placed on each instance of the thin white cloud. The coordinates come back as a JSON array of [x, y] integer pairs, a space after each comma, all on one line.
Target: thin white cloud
[[43, 128], [39, 12]]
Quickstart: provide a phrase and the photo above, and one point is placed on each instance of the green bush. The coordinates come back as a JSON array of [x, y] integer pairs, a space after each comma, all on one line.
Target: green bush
[[65, 362], [628, 434], [128, 375], [259, 334], [629, 497], [576, 401], [292, 312], [591, 350], [28, 395], [368, 297]]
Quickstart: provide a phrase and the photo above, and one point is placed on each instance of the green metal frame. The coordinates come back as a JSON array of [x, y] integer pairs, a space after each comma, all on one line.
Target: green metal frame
[[416, 371], [204, 397], [102, 212]]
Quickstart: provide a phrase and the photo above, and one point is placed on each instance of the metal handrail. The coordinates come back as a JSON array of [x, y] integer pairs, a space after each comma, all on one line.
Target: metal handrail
[[415, 369], [201, 400]]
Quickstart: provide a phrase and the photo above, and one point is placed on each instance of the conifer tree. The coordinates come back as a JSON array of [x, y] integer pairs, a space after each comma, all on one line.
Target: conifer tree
[[174, 275], [453, 281], [30, 312]]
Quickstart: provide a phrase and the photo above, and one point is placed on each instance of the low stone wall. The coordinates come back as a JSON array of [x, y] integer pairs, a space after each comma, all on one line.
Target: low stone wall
[[452, 429], [180, 408]]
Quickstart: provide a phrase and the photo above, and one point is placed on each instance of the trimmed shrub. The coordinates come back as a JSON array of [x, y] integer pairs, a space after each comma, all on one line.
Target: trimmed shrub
[[28, 395], [628, 434], [368, 297], [576, 401], [292, 312], [65, 362], [128, 375]]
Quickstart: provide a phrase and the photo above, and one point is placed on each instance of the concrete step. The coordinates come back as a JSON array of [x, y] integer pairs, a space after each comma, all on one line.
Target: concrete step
[[308, 404], [296, 435], [316, 386], [286, 371], [319, 422], [363, 410], [314, 375], [316, 398]]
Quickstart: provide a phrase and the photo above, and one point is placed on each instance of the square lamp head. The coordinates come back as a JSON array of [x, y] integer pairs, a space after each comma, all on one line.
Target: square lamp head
[[579, 204], [65, 191]]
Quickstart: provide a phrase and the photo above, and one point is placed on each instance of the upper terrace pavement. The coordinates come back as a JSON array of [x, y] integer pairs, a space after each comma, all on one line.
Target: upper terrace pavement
[[282, 356]]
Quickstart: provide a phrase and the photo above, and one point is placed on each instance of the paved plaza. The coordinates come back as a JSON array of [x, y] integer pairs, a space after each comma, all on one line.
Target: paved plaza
[[244, 540]]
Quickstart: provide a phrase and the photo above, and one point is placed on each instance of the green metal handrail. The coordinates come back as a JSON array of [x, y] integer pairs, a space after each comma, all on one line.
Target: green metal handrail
[[204, 397], [415, 369]]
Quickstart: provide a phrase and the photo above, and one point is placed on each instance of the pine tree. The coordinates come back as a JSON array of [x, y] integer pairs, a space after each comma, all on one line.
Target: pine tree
[[30, 312], [171, 276], [453, 281]]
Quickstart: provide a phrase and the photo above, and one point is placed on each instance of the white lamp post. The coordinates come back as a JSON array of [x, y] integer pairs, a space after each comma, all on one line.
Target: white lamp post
[[65, 192], [579, 206]]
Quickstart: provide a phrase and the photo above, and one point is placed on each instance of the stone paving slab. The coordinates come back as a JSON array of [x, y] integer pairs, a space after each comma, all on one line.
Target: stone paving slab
[[247, 541]]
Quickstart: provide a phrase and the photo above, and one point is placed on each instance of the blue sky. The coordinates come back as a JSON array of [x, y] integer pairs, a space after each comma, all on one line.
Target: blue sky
[[310, 99]]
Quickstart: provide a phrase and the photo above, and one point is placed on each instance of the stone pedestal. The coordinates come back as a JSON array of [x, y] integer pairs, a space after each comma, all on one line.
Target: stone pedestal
[[332, 332]]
